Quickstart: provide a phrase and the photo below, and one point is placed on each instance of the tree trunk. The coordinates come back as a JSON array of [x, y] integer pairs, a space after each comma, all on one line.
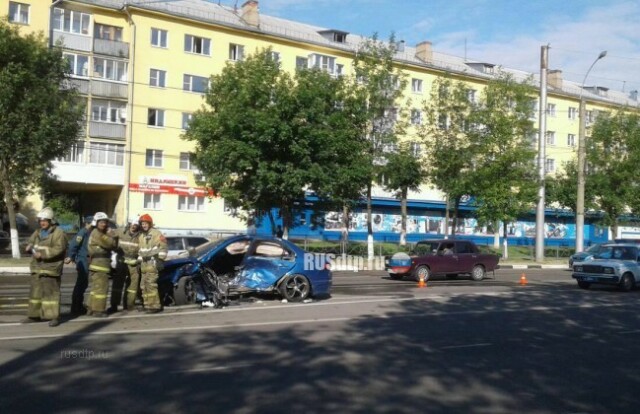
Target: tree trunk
[[614, 229], [403, 212], [286, 221], [505, 244], [456, 206], [8, 200], [496, 234], [370, 252], [272, 221], [446, 217]]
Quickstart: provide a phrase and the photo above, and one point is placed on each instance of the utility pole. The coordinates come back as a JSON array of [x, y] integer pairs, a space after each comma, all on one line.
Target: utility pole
[[542, 130], [582, 155]]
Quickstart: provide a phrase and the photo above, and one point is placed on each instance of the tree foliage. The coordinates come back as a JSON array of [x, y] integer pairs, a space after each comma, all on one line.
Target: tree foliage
[[41, 114]]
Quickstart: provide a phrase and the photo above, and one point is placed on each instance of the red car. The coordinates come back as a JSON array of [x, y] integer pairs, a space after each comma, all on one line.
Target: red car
[[442, 257]]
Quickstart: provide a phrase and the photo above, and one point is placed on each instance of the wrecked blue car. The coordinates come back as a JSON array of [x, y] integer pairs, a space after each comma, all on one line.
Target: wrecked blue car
[[239, 265]]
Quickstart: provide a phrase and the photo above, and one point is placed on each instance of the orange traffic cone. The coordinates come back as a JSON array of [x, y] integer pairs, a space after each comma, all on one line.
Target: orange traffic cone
[[523, 279], [422, 283]]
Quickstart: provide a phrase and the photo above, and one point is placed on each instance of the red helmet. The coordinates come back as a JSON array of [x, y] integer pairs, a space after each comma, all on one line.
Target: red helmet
[[147, 218]]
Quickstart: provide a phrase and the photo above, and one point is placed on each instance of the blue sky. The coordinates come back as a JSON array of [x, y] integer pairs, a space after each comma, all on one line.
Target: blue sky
[[497, 31]]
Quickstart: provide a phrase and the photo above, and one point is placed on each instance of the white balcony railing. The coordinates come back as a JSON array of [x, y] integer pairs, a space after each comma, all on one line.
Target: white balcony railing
[[111, 48], [107, 130], [109, 89], [72, 40]]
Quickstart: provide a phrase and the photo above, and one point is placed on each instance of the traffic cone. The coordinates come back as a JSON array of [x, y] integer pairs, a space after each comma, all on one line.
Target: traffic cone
[[523, 280], [422, 283]]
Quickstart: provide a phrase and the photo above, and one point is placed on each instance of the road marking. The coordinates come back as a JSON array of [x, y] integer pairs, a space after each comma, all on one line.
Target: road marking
[[218, 368], [17, 305], [630, 332], [465, 346]]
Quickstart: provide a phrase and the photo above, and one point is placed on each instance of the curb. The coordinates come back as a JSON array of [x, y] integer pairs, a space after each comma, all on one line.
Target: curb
[[15, 270], [533, 266]]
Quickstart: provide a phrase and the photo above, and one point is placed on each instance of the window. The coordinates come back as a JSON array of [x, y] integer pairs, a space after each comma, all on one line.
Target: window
[[236, 52], [416, 85], [75, 154], [108, 111], [185, 161], [71, 21], [18, 12], [157, 78], [443, 122], [152, 201], [199, 45], [194, 83], [158, 37], [550, 165], [571, 140], [551, 109], [302, 62], [153, 158], [589, 117], [551, 138], [106, 154], [416, 117], [103, 31], [186, 119], [324, 63], [573, 112], [471, 95], [275, 56], [190, 203], [115, 70], [270, 249], [339, 69], [78, 64], [155, 117]]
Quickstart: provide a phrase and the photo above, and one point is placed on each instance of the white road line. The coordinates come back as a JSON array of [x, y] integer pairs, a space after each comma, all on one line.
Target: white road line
[[464, 346], [630, 332], [218, 368]]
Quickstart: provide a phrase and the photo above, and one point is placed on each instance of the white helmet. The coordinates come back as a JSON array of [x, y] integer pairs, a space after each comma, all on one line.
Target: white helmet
[[100, 216], [45, 214], [134, 219]]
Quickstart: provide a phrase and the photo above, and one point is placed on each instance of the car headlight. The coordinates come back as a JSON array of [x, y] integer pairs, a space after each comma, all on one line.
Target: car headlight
[[608, 270], [578, 268]]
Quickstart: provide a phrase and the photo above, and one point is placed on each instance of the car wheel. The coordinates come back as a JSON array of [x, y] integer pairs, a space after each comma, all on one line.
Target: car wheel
[[295, 288], [452, 276], [627, 282], [395, 276], [422, 272], [185, 292], [477, 273], [583, 285]]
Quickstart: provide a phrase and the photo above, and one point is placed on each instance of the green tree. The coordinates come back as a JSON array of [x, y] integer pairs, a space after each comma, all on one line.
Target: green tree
[[41, 115], [404, 171], [504, 174], [381, 87], [562, 188], [267, 136], [444, 132], [613, 154]]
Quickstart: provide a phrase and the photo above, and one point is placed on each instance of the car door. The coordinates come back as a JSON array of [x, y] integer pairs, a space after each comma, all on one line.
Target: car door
[[266, 262], [466, 257], [447, 260]]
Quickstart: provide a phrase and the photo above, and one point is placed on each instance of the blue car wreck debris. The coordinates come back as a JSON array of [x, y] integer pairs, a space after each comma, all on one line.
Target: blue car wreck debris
[[223, 269]]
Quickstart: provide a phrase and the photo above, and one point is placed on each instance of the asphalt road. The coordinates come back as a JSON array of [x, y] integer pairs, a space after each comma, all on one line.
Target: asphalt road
[[375, 346]]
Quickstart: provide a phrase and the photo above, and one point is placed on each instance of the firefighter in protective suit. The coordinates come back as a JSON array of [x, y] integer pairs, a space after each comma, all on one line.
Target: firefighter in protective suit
[[102, 242], [128, 271], [152, 254], [48, 246]]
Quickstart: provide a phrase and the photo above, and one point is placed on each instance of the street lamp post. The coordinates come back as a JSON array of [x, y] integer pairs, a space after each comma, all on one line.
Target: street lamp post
[[582, 152]]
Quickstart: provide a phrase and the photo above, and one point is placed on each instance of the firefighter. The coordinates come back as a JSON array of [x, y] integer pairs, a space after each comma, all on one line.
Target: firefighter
[[102, 242], [47, 245], [78, 253], [153, 252], [127, 271]]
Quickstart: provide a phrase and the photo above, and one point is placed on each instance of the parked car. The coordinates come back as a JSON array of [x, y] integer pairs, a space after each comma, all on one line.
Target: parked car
[[443, 257], [587, 255], [244, 264], [180, 245], [616, 265]]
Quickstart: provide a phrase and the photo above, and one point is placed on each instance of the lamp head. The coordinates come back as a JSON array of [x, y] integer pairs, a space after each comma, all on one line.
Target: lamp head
[[602, 54]]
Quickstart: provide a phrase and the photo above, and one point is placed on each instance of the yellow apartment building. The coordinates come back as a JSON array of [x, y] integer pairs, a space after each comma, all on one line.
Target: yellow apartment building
[[143, 67]]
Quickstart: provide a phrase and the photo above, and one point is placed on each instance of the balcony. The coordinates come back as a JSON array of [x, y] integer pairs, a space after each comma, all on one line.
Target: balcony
[[72, 40], [81, 85], [84, 173], [107, 130], [109, 89], [111, 48]]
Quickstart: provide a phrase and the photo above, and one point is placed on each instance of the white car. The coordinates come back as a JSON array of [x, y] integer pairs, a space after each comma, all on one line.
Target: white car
[[179, 245]]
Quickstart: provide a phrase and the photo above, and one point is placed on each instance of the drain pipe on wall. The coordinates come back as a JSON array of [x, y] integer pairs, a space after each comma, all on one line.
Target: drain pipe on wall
[[132, 60]]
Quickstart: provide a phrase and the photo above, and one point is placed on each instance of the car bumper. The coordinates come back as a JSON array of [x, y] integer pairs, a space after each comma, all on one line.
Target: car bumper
[[596, 278], [399, 270]]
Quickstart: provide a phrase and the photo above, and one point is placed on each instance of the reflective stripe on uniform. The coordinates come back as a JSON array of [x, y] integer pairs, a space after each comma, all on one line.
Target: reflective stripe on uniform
[[131, 261], [127, 243], [43, 248], [47, 272], [97, 296], [132, 291], [99, 268], [162, 255], [35, 301], [50, 302]]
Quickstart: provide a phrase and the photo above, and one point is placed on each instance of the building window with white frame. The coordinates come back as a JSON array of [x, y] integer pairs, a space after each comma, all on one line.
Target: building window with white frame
[[416, 117], [115, 70], [197, 45], [190, 203], [18, 12], [551, 137], [152, 201], [236, 52], [416, 85], [550, 165], [471, 95], [157, 78], [75, 153], [107, 32], [108, 111], [159, 38], [155, 117], [571, 140], [551, 109], [186, 120], [106, 154], [302, 62], [192, 83], [324, 63], [78, 64], [275, 56], [573, 112], [185, 161], [153, 158], [71, 21]]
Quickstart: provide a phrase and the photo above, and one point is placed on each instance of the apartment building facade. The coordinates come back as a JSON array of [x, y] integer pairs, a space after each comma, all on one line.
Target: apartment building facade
[[144, 67]]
